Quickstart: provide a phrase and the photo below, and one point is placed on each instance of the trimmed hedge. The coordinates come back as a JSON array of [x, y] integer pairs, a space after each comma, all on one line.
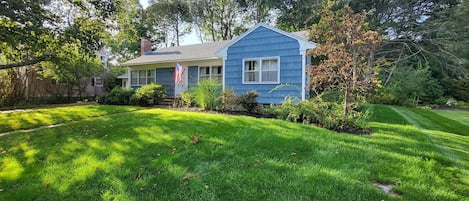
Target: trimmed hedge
[[117, 96], [150, 94]]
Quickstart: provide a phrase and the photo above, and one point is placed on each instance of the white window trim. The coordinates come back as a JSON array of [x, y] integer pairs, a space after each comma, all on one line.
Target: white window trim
[[100, 85], [210, 70], [138, 77], [260, 59]]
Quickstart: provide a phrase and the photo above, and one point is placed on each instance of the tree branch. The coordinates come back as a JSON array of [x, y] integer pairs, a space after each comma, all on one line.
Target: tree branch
[[24, 63]]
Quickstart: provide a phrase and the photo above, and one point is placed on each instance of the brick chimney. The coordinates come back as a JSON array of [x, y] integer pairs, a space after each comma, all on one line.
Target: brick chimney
[[145, 46]]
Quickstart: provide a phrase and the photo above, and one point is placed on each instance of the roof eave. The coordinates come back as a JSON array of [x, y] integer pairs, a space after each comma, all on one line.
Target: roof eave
[[169, 61], [304, 44]]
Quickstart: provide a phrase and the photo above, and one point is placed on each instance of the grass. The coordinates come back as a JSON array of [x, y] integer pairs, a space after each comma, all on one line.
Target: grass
[[149, 155], [49, 116]]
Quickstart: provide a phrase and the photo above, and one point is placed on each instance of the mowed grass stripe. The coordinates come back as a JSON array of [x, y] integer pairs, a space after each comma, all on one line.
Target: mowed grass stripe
[[452, 145], [460, 116]]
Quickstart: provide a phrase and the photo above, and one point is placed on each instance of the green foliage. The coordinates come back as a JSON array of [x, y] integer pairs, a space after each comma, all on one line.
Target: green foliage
[[431, 34], [218, 20], [125, 45], [110, 80], [459, 89], [188, 97], [249, 101], [117, 96], [327, 114], [297, 15], [259, 11], [207, 94], [35, 31], [150, 94], [347, 46], [230, 99], [410, 87], [73, 67], [169, 18]]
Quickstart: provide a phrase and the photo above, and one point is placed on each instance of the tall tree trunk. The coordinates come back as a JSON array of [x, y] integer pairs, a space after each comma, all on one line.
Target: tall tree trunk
[[346, 102], [177, 34], [177, 26]]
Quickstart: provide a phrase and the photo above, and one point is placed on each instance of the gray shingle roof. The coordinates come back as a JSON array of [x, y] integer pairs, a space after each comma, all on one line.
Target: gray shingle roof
[[188, 52], [182, 53]]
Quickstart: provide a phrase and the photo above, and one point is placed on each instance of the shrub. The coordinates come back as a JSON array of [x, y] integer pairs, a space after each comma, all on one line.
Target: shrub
[[207, 94], [150, 94], [230, 99], [117, 96], [188, 98], [110, 80], [327, 114], [249, 101], [459, 89]]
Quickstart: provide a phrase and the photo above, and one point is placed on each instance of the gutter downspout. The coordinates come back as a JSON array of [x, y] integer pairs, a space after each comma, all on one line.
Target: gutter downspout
[[303, 74]]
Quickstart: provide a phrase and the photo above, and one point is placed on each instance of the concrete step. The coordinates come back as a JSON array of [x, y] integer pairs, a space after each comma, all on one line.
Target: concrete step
[[170, 101]]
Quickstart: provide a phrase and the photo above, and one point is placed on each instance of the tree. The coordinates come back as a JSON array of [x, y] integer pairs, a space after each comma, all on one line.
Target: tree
[[39, 36], [296, 15], [170, 17], [345, 44], [259, 10], [420, 34], [410, 86], [129, 28], [72, 68], [30, 29], [218, 19]]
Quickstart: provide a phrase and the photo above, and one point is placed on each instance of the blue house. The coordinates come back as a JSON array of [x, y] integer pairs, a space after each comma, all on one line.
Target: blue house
[[266, 59]]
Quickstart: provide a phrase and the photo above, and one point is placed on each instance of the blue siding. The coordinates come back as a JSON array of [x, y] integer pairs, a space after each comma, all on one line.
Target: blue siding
[[165, 76], [264, 42], [193, 76]]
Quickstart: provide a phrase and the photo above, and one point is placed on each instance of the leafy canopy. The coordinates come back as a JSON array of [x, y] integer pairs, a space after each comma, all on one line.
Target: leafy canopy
[[345, 46]]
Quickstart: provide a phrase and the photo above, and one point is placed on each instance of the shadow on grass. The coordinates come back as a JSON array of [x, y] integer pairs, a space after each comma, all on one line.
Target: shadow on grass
[[149, 155]]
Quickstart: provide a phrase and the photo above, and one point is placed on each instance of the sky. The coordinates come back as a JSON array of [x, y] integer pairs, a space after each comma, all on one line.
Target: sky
[[189, 39]]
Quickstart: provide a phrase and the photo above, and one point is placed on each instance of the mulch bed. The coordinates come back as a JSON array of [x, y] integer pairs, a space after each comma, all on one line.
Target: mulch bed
[[355, 131]]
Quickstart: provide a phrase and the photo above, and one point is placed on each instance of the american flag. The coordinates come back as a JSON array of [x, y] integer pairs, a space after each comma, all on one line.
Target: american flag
[[178, 73]]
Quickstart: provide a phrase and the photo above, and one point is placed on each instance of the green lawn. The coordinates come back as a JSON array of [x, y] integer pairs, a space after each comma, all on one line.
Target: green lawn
[[49, 116], [149, 155]]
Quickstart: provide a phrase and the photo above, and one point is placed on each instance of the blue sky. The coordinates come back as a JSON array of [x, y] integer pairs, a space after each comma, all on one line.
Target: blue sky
[[189, 39]]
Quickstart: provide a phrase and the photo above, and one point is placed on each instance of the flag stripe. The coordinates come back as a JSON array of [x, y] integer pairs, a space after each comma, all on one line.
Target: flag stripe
[[178, 73]]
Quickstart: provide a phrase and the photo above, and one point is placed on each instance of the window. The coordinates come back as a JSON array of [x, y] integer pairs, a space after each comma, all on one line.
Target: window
[[216, 72], [142, 77], [261, 71], [210, 72], [269, 70], [251, 71], [103, 59], [204, 73], [98, 81], [133, 77], [150, 76]]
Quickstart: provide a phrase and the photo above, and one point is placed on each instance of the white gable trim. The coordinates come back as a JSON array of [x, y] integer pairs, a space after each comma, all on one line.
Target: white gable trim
[[304, 44]]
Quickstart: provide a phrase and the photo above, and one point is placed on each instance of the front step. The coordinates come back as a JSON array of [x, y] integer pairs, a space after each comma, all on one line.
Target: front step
[[170, 101]]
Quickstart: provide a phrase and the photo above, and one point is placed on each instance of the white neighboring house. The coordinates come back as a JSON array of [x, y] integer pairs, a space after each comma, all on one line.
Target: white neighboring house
[[95, 88], [124, 79]]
